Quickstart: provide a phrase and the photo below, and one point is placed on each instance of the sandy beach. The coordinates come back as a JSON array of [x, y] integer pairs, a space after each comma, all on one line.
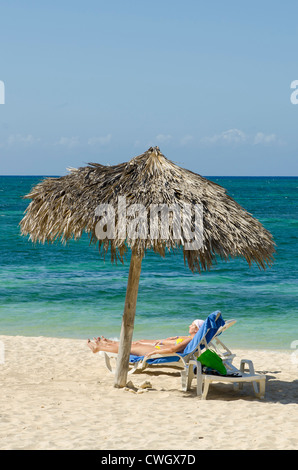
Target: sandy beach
[[56, 394]]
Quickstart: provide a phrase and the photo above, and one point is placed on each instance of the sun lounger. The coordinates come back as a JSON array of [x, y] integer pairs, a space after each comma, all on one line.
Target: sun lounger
[[182, 360], [207, 337], [216, 344], [235, 376]]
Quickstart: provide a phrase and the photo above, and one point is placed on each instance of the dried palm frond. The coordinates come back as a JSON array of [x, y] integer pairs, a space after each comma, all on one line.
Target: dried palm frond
[[65, 207]]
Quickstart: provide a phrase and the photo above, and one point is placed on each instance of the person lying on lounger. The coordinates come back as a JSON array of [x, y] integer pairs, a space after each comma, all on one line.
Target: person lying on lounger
[[147, 347]]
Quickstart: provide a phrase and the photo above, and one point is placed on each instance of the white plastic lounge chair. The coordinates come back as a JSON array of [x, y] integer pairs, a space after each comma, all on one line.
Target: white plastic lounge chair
[[182, 360], [216, 344], [234, 376]]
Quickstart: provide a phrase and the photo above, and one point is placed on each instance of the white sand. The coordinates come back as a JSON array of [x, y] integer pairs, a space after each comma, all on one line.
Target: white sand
[[56, 394]]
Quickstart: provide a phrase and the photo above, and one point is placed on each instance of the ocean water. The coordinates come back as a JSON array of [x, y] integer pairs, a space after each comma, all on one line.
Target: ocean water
[[71, 291]]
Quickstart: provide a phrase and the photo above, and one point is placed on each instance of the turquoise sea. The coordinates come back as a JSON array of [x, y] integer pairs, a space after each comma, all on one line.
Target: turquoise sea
[[70, 291]]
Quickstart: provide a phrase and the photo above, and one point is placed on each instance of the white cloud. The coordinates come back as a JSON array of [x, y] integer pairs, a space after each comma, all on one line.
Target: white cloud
[[261, 138], [236, 136], [22, 139], [100, 140], [186, 139], [163, 138], [231, 136], [68, 142]]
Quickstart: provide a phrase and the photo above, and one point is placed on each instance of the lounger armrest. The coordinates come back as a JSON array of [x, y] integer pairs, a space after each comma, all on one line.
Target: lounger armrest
[[251, 368]]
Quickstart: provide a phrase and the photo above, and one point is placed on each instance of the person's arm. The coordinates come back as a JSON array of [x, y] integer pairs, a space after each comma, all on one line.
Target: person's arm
[[172, 349]]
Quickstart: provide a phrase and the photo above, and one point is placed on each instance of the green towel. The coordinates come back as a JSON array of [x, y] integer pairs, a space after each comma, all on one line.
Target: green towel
[[210, 359]]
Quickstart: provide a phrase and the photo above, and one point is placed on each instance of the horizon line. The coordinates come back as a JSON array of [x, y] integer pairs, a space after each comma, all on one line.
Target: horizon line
[[204, 176]]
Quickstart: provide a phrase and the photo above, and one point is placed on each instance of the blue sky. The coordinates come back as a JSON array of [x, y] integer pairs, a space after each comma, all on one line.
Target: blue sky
[[208, 82]]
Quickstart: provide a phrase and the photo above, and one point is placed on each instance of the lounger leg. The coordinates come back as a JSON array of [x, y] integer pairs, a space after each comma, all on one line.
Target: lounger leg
[[187, 376], [205, 390], [259, 388], [133, 369], [202, 385], [112, 370], [199, 380], [258, 385], [108, 363], [262, 388], [190, 375], [184, 380]]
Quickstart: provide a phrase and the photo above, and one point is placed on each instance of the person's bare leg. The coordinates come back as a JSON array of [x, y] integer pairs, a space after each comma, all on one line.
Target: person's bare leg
[[152, 342], [136, 349], [100, 345], [141, 349], [139, 341]]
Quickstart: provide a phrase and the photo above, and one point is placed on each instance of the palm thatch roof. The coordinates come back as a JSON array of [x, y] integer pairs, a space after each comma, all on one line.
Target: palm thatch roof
[[65, 207]]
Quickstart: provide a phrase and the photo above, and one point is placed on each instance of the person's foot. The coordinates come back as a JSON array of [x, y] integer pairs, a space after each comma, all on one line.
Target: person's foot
[[94, 347], [105, 339]]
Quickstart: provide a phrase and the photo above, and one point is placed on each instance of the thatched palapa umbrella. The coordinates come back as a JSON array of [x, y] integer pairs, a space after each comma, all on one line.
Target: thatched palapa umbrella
[[126, 205]]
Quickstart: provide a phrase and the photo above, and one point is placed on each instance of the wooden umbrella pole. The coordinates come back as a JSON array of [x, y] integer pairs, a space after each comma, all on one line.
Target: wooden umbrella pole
[[128, 320]]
